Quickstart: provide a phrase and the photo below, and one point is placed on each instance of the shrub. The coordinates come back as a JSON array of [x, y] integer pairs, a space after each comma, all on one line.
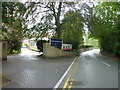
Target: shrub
[[74, 44], [14, 46], [26, 44], [85, 46]]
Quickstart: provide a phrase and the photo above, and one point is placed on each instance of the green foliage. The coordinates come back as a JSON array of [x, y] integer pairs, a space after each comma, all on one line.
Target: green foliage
[[15, 52], [104, 26], [84, 46], [14, 46], [48, 18], [12, 13], [12, 29], [116, 43], [26, 44], [72, 28], [43, 16], [90, 41], [104, 17]]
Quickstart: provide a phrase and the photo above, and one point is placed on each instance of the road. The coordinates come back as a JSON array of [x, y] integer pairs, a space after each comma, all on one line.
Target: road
[[92, 70], [28, 70]]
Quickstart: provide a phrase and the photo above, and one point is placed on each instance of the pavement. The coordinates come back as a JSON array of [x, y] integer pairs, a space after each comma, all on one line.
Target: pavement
[[27, 70], [92, 70]]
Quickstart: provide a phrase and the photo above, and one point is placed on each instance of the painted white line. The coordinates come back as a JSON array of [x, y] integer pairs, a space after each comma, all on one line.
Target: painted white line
[[61, 79], [106, 64], [21, 85]]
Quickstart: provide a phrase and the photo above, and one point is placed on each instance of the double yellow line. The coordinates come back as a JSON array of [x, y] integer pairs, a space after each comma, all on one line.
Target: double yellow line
[[71, 75]]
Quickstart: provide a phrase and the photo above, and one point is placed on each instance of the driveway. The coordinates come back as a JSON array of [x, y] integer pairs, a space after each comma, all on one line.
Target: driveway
[[28, 70]]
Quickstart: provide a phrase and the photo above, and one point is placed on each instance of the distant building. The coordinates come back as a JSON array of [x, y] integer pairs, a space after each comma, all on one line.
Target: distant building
[[32, 44]]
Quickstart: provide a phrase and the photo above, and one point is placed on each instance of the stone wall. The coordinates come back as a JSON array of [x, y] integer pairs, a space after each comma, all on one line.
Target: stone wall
[[53, 52]]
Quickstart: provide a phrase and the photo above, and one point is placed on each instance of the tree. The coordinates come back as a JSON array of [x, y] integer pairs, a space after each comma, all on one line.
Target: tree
[[12, 25], [116, 34], [72, 28], [50, 14], [103, 23]]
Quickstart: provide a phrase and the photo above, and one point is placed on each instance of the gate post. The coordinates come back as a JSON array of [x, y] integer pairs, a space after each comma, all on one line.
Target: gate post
[[4, 49], [0, 49]]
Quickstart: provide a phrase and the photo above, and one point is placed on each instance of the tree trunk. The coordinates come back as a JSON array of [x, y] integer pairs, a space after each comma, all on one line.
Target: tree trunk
[[57, 20]]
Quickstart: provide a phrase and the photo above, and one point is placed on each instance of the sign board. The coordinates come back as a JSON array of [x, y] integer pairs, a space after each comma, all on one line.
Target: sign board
[[56, 42], [66, 47]]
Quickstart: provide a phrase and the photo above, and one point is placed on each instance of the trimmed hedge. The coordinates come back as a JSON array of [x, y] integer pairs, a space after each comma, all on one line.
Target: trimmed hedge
[[85, 46]]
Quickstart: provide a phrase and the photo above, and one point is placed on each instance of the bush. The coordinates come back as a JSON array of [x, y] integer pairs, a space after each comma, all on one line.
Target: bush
[[74, 44], [117, 49], [85, 46], [16, 51], [26, 44], [110, 43], [14, 46]]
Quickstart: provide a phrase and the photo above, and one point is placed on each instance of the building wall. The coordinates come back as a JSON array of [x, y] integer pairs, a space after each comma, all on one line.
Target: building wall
[[32, 45]]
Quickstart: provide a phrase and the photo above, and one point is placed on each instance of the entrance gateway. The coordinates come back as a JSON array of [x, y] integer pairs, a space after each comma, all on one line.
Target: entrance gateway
[[59, 42]]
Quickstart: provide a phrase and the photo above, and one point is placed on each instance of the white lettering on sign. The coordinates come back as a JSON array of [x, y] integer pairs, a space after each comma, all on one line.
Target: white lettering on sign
[[55, 42], [66, 47]]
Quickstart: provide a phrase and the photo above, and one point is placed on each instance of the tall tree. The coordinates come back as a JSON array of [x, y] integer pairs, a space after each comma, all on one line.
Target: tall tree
[[103, 24], [12, 24], [50, 15], [57, 17], [72, 28]]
